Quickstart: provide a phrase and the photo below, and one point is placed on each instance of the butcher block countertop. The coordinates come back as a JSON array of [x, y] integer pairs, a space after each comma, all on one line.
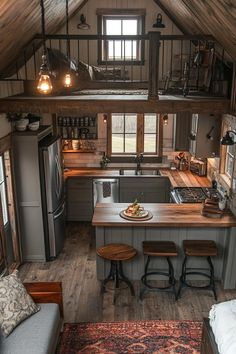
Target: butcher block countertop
[[177, 178], [164, 215]]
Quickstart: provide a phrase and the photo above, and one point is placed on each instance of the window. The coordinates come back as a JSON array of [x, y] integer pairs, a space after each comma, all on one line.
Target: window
[[229, 161], [133, 133], [116, 22], [3, 193]]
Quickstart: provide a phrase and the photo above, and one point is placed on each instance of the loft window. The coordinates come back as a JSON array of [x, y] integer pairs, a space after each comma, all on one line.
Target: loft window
[[133, 133], [120, 23]]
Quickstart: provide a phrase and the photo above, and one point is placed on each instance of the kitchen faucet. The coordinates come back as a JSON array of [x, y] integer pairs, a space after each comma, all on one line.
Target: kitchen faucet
[[138, 160]]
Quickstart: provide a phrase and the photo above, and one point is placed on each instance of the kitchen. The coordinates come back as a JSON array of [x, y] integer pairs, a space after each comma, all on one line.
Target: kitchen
[[174, 167]]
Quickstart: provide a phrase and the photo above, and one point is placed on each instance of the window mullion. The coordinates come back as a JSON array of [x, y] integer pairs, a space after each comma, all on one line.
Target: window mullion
[[140, 132]]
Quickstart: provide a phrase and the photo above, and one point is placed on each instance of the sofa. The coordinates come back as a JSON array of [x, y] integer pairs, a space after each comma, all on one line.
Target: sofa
[[39, 333]]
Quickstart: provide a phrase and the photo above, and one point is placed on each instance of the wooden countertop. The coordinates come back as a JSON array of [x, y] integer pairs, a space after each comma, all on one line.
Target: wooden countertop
[[177, 178], [164, 215]]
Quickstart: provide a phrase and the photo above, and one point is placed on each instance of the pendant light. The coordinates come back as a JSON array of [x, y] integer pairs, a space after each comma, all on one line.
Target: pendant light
[[44, 84], [83, 24], [67, 79]]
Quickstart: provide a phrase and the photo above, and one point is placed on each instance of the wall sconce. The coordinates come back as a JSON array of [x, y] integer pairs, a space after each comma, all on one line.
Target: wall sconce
[[104, 118], [227, 139], [209, 136], [165, 119], [158, 23], [83, 24]]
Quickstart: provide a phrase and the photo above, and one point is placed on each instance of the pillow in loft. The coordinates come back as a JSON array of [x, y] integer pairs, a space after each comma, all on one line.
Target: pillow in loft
[[58, 62], [15, 303], [85, 72]]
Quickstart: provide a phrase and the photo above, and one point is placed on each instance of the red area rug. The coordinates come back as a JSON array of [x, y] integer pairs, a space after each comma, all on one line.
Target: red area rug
[[146, 337]]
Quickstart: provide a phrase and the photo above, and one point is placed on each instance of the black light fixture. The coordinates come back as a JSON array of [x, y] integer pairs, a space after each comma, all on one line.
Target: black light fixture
[[158, 23], [67, 79], [165, 119], [83, 24], [209, 134], [44, 83], [227, 139], [104, 118]]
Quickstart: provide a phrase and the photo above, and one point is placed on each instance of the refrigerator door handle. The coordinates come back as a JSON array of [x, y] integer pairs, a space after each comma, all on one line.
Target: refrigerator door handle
[[60, 212], [58, 177]]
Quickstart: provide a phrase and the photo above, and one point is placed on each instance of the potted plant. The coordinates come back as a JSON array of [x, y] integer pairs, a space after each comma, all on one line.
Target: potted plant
[[17, 120], [104, 161], [34, 121]]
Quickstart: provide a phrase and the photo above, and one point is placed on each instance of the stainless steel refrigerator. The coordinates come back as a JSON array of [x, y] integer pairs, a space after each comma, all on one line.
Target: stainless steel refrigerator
[[53, 195]]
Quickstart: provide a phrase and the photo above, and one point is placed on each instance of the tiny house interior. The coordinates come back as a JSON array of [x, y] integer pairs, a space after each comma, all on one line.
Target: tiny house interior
[[118, 128]]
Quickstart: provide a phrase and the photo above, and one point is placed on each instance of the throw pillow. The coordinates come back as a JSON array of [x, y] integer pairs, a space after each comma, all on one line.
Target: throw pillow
[[15, 303]]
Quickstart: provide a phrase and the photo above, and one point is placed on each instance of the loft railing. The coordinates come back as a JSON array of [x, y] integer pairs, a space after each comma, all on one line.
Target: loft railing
[[153, 62]]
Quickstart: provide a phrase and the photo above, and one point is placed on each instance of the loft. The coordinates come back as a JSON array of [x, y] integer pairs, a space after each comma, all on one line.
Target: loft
[[168, 73]]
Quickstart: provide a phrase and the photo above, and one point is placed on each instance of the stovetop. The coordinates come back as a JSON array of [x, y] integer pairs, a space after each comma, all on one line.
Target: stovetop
[[193, 194]]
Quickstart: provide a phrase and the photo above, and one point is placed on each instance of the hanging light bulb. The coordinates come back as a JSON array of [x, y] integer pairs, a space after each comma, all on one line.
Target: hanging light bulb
[[165, 119], [44, 82], [67, 79]]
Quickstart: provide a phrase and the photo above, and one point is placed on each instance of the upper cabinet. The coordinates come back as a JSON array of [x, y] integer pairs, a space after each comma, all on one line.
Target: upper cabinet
[[205, 135]]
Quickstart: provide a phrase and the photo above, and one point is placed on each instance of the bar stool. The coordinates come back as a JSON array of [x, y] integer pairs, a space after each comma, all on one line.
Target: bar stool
[[116, 253], [165, 249], [198, 248]]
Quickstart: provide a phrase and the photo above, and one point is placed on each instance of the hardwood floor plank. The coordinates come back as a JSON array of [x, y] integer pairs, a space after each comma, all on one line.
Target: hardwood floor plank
[[83, 302]]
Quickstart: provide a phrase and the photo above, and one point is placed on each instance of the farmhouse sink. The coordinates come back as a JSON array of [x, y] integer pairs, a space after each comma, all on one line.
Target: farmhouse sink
[[141, 172]]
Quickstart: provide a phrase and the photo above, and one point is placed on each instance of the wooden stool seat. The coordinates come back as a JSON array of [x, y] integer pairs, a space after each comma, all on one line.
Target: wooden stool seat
[[164, 249], [200, 248], [116, 252], [159, 248]]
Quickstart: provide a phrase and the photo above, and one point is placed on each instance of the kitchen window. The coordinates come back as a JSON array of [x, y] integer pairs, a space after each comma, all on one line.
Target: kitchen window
[[120, 23], [229, 161], [131, 133], [227, 156]]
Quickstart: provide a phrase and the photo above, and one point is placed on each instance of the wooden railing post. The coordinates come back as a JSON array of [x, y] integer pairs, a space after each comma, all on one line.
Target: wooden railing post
[[233, 91], [154, 44]]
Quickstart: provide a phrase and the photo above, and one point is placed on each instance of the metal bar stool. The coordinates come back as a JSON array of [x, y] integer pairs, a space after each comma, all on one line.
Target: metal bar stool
[[198, 248], [116, 253], [165, 249]]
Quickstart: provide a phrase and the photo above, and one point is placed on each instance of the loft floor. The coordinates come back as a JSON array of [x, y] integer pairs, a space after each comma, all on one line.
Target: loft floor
[[83, 302], [119, 101]]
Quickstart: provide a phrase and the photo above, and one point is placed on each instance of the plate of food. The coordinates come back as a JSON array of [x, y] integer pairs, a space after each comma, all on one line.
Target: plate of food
[[134, 210]]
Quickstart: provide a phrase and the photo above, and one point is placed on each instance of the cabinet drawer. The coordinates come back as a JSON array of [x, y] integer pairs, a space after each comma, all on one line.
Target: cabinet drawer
[[79, 195], [79, 211], [79, 183]]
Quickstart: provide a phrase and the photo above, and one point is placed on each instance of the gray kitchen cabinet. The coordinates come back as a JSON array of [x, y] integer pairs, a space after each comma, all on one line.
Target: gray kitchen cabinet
[[205, 135], [145, 189], [26, 171], [79, 198]]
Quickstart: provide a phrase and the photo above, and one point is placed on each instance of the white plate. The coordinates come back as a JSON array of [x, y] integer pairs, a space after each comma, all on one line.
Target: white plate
[[143, 214]]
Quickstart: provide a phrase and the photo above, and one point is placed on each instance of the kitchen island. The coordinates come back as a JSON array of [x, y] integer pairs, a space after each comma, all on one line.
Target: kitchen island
[[172, 222]]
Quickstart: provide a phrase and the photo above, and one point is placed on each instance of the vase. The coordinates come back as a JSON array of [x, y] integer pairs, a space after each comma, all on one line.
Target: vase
[[21, 124]]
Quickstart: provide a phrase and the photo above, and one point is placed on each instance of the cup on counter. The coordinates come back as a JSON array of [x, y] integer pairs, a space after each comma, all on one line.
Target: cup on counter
[[75, 144]]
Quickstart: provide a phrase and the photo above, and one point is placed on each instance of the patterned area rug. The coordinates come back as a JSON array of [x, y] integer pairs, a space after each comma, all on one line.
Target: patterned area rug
[[146, 337]]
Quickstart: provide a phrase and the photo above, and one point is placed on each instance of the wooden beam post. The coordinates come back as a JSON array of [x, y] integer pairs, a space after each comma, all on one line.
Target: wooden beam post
[[233, 91], [154, 44]]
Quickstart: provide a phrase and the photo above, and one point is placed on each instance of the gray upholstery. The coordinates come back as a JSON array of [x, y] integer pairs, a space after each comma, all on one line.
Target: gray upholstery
[[38, 334]]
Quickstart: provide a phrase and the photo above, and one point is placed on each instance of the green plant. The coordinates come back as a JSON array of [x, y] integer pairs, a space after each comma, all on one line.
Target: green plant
[[104, 161], [13, 116]]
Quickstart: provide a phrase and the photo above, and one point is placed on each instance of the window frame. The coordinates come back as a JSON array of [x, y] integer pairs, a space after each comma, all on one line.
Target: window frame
[[129, 157], [223, 158], [102, 15]]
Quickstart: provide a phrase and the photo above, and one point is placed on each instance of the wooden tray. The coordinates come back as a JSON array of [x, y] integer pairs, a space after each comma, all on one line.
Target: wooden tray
[[136, 218]]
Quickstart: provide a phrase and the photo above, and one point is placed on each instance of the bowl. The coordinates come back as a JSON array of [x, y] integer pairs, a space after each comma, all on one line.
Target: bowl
[[21, 128], [33, 126]]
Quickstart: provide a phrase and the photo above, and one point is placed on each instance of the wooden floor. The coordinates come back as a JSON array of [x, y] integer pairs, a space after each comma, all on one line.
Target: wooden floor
[[76, 268]]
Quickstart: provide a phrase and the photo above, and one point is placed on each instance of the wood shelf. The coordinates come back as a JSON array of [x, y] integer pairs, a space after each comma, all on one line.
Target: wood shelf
[[79, 150]]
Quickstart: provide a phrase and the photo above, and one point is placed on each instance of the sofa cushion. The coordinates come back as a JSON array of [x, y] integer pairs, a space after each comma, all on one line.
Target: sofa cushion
[[38, 334], [15, 303]]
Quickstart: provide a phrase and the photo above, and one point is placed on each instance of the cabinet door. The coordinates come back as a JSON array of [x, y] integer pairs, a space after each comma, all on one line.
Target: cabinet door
[[79, 199], [182, 131], [145, 189]]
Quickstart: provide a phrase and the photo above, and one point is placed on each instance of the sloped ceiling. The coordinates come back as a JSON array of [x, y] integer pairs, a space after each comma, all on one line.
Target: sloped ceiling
[[215, 17], [20, 21]]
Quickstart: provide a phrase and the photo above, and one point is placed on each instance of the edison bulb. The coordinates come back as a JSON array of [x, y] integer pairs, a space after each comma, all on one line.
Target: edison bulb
[[67, 81], [44, 84]]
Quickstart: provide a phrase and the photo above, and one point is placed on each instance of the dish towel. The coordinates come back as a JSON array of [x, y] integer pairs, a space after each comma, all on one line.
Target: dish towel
[[106, 189]]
